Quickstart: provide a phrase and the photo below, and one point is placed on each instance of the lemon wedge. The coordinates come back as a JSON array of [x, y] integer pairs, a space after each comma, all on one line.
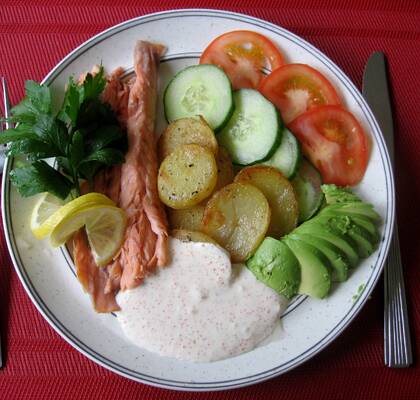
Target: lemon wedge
[[49, 211], [105, 227]]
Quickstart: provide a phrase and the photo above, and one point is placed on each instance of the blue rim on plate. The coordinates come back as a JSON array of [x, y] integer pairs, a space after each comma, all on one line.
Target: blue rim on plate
[[72, 339]]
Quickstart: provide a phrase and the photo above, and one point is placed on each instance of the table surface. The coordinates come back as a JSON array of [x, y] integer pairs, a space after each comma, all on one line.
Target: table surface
[[34, 36]]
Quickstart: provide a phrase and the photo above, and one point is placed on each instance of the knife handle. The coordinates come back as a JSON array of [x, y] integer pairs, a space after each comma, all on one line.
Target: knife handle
[[397, 349]]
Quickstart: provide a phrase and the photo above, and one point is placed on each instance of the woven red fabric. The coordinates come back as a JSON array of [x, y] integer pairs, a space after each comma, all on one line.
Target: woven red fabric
[[35, 35]]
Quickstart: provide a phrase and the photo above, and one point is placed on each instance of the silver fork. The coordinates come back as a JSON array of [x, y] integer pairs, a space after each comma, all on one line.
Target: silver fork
[[8, 124]]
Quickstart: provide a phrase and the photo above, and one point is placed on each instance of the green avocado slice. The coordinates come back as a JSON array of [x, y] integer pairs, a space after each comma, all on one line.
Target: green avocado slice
[[364, 247], [367, 224], [344, 243], [334, 194], [349, 209], [344, 224], [369, 229], [335, 256], [315, 278], [276, 266]]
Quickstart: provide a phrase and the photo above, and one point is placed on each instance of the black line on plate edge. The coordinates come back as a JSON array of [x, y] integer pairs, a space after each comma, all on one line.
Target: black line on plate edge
[[92, 354]]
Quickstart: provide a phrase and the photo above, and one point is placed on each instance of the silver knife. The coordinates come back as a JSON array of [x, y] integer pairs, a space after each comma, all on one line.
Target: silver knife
[[397, 341]]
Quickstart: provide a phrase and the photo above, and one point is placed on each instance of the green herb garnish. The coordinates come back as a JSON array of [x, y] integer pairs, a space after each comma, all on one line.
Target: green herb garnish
[[83, 136]]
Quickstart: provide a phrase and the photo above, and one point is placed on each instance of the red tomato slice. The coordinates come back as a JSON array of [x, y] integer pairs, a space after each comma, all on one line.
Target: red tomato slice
[[243, 55], [334, 141], [296, 88]]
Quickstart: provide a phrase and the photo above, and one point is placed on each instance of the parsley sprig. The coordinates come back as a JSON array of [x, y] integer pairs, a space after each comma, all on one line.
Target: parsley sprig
[[83, 136]]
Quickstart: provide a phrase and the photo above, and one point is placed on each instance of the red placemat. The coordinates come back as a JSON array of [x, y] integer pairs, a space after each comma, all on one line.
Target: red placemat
[[34, 36]]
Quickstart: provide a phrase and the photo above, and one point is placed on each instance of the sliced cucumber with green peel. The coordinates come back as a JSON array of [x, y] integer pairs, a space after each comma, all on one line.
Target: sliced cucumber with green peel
[[254, 131], [287, 156], [200, 90], [307, 185]]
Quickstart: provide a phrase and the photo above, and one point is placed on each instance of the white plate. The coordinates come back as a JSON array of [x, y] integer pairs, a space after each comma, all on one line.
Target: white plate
[[309, 325]]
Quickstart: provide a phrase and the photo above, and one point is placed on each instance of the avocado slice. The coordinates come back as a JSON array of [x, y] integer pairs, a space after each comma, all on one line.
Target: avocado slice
[[344, 243], [276, 266], [369, 229], [344, 224], [349, 209], [315, 278], [338, 260], [334, 194], [363, 241], [367, 224]]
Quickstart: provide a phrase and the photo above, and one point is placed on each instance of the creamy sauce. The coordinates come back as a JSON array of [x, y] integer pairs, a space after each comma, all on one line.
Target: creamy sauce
[[200, 307]]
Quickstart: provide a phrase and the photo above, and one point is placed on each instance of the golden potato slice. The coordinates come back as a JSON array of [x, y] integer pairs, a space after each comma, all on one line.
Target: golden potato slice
[[191, 236], [187, 218], [187, 176], [186, 131], [224, 169], [237, 217], [279, 193]]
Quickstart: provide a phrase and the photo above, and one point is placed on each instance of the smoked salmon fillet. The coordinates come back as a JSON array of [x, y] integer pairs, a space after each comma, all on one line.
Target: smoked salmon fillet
[[133, 186]]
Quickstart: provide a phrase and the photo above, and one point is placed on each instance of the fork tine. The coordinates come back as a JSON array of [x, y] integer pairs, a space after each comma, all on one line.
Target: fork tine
[[3, 147], [6, 102]]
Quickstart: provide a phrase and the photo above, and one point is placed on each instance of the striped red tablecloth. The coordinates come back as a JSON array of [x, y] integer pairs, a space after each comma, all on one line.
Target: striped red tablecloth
[[35, 35]]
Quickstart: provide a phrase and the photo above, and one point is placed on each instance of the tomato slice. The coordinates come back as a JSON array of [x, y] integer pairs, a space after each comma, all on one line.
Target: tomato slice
[[243, 55], [334, 141], [296, 88]]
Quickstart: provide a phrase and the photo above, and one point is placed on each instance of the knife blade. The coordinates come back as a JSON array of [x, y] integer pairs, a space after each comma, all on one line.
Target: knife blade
[[376, 93], [397, 341]]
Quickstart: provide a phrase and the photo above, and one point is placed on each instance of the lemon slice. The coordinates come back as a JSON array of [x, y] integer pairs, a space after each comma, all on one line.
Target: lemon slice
[[43, 224], [46, 205], [105, 227]]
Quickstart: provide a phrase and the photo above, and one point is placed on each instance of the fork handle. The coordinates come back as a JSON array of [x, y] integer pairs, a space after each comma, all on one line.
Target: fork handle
[[397, 347]]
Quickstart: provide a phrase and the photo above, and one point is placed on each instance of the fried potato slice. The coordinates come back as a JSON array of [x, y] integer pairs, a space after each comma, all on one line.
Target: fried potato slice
[[187, 218], [187, 176], [192, 236], [237, 217], [193, 130], [225, 172], [279, 193]]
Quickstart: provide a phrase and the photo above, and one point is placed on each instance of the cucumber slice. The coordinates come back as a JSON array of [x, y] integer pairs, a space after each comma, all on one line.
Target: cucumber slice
[[307, 185], [254, 131], [199, 90], [287, 156]]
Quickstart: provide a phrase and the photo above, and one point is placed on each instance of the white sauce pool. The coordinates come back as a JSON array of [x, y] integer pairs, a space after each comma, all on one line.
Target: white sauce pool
[[199, 308]]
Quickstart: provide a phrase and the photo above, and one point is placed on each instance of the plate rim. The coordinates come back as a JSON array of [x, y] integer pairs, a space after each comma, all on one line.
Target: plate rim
[[265, 375]]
